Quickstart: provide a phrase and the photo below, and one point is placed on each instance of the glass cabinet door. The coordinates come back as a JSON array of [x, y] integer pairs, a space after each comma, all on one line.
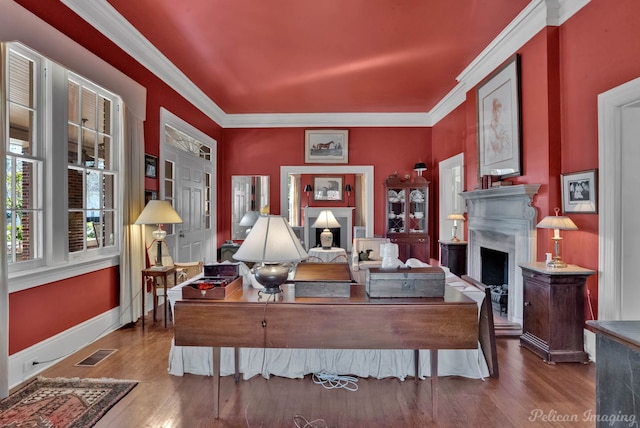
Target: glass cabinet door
[[417, 216], [396, 211]]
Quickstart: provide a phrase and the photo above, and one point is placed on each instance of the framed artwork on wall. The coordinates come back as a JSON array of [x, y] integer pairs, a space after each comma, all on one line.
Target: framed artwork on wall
[[579, 192], [499, 130], [150, 195], [327, 188], [326, 146], [150, 166]]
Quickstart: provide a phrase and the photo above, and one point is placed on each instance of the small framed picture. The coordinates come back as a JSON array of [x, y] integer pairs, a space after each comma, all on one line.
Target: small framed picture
[[150, 195], [150, 166], [579, 192], [326, 146], [327, 188]]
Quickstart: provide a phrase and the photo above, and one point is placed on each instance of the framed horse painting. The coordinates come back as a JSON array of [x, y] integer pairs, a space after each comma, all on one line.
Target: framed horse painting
[[326, 146]]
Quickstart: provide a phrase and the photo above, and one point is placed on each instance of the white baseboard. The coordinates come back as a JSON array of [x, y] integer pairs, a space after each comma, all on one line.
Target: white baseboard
[[590, 344], [54, 349]]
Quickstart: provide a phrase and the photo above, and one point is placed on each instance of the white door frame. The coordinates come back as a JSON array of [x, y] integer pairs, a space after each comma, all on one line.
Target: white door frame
[[168, 152], [613, 106], [450, 200]]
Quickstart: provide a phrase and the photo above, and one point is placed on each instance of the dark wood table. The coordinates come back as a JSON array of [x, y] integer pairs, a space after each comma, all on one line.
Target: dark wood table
[[246, 319]]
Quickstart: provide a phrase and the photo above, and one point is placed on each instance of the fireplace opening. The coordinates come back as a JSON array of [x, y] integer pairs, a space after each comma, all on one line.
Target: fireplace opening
[[336, 236], [495, 274]]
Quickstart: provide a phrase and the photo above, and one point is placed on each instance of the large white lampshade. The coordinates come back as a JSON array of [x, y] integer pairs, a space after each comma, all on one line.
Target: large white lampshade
[[158, 212], [270, 243], [326, 220]]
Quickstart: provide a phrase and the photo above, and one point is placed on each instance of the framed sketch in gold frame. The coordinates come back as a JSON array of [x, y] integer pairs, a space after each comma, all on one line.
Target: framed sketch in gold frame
[[499, 130], [326, 146]]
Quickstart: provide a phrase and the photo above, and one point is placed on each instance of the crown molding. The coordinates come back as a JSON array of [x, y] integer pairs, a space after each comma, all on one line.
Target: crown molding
[[538, 14], [103, 17], [291, 120]]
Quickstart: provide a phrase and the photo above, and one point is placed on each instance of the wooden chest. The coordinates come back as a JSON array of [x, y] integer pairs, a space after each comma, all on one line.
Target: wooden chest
[[405, 282], [218, 282], [322, 280]]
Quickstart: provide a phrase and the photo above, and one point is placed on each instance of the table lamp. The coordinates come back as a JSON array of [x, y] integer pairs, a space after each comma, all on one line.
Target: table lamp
[[308, 189], [271, 244], [326, 220], [348, 189], [158, 212], [419, 168], [248, 220], [557, 222], [455, 217]]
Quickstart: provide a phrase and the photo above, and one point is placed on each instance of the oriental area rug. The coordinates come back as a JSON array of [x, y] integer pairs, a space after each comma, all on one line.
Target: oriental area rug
[[60, 402]]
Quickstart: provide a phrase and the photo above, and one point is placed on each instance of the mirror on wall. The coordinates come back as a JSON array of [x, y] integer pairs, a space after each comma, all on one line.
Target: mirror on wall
[[249, 194]]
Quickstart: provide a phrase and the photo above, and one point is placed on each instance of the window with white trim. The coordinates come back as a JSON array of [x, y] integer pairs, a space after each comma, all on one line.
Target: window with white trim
[[62, 151]]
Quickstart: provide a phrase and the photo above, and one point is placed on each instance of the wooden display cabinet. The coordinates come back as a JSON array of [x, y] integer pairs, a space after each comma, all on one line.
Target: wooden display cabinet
[[553, 316], [407, 216]]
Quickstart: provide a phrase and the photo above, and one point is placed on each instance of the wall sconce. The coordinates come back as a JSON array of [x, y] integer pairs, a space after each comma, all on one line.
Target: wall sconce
[[158, 212], [326, 220], [348, 189], [557, 222], [308, 189], [419, 168], [455, 217]]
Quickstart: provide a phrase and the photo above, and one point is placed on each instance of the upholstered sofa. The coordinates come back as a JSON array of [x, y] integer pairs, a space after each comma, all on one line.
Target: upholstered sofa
[[359, 262]]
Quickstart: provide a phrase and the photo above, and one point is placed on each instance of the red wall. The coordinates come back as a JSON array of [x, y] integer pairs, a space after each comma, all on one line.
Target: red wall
[[264, 151], [41, 312]]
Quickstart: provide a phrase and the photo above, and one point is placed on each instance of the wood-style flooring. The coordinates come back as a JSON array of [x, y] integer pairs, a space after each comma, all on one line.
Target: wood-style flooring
[[529, 393]]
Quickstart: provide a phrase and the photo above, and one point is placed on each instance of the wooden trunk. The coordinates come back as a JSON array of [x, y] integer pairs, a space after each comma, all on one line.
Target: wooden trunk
[[323, 280], [218, 282], [405, 282]]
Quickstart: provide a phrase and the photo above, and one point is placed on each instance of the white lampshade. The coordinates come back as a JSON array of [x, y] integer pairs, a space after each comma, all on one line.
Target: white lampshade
[[271, 240], [158, 212], [455, 217], [326, 220]]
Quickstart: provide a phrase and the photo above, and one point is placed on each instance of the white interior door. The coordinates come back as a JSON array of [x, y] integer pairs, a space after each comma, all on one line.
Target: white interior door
[[190, 200]]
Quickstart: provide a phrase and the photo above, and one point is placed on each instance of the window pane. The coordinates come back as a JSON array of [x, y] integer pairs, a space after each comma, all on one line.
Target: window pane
[[20, 129], [74, 102], [104, 115], [76, 231], [168, 190], [104, 152], [25, 193], [21, 80], [93, 194], [108, 229], [75, 183], [88, 109], [88, 148], [109, 191], [93, 230], [73, 145]]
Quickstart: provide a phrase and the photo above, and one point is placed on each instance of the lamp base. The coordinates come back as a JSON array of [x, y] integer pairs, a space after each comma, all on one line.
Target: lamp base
[[271, 276], [326, 239]]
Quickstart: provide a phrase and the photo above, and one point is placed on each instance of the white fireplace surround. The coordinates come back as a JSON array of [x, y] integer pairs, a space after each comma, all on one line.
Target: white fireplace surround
[[344, 217], [503, 219]]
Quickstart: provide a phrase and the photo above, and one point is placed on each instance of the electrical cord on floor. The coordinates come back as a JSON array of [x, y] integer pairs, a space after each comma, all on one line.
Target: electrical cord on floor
[[297, 419], [333, 381]]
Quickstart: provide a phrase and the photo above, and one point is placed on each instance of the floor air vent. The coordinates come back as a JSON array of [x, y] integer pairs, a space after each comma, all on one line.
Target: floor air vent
[[95, 358]]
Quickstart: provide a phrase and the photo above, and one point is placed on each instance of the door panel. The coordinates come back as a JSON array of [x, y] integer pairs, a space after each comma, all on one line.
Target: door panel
[[191, 233]]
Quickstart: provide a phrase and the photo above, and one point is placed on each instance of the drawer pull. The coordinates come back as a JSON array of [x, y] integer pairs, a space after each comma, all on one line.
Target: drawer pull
[[527, 303]]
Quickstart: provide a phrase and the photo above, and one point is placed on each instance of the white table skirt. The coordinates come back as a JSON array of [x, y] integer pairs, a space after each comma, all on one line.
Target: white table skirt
[[296, 363]]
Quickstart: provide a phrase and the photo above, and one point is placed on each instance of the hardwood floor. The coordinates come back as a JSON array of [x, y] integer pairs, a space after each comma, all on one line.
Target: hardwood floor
[[527, 388]]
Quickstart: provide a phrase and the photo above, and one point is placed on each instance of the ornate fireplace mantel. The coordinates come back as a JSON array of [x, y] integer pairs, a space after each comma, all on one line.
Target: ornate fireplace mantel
[[503, 219]]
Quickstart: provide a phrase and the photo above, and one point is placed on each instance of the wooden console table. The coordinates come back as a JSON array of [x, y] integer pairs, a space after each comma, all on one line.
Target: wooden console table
[[356, 322]]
